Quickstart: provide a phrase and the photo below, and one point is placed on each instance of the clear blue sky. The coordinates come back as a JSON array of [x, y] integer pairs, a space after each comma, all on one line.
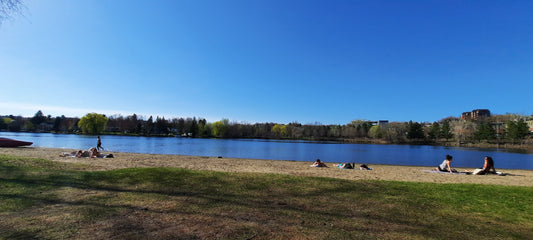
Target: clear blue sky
[[282, 61]]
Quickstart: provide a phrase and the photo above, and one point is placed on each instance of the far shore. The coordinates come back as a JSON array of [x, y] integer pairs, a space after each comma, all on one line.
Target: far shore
[[513, 177]]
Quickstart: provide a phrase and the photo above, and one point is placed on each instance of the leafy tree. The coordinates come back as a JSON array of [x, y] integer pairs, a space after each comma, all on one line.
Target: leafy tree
[[362, 127], [204, 128], [28, 126], [517, 130], [220, 128], [375, 132], [415, 130], [280, 130], [395, 132], [93, 123]]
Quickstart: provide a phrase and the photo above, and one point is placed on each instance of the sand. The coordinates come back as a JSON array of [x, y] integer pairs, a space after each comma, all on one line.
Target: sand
[[379, 172]]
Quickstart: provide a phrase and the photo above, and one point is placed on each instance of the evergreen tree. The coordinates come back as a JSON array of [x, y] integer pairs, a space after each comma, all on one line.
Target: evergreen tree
[[446, 130], [38, 118], [149, 126], [415, 130], [57, 123], [434, 131], [485, 131], [517, 130], [194, 128]]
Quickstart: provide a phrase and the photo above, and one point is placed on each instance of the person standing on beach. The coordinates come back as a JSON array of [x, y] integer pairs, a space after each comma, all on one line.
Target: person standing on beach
[[99, 144]]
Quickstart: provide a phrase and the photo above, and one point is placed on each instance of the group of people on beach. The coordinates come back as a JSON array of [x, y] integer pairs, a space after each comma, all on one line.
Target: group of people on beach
[[488, 167], [319, 163], [93, 152], [445, 166]]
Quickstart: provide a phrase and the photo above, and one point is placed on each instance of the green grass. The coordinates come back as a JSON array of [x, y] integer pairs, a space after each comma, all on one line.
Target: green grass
[[49, 200]]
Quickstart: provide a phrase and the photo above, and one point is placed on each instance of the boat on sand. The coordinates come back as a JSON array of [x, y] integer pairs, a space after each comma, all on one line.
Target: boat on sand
[[8, 142]]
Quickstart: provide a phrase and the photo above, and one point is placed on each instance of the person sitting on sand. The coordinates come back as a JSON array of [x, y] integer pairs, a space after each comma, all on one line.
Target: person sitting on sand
[[488, 167], [94, 153], [446, 166], [318, 163]]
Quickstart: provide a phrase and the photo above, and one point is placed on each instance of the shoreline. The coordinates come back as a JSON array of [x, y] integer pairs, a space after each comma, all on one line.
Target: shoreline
[[515, 177]]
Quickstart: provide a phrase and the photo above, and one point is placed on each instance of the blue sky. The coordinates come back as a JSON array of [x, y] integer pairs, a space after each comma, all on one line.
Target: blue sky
[[282, 61]]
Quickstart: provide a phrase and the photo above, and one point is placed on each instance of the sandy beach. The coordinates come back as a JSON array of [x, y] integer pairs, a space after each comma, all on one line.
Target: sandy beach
[[379, 172]]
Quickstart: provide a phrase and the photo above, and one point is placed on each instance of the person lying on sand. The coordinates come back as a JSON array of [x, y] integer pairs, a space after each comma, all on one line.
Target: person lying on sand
[[345, 166], [78, 154], [318, 163], [364, 167]]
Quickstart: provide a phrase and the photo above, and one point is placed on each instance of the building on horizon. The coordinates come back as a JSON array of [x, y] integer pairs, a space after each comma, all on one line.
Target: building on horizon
[[475, 114]]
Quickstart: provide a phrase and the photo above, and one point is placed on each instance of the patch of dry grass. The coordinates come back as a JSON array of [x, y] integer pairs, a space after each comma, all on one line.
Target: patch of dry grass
[[45, 200]]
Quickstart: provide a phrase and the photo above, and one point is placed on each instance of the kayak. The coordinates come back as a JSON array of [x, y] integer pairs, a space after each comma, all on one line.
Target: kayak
[[7, 142]]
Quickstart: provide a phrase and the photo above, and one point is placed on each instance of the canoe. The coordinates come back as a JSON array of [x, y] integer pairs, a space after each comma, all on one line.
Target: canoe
[[7, 142]]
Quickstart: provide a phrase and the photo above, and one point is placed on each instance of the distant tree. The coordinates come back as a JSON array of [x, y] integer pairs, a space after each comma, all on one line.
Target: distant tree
[[375, 132], [446, 130], [220, 128], [93, 123], [181, 126], [57, 123], [395, 132], [415, 130], [517, 130], [194, 127], [148, 127], [161, 126], [434, 131], [280, 130], [485, 131], [204, 128], [38, 118], [362, 127], [3, 124]]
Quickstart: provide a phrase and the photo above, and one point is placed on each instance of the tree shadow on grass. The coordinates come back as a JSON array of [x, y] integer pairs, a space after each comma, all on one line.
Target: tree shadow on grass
[[214, 205]]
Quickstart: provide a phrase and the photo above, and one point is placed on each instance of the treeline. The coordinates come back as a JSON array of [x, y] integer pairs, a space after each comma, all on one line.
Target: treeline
[[509, 128]]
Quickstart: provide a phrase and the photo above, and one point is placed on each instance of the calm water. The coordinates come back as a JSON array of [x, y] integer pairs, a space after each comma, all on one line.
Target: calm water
[[284, 150]]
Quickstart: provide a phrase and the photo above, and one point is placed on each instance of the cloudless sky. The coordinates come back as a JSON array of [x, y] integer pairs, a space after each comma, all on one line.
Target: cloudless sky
[[281, 61]]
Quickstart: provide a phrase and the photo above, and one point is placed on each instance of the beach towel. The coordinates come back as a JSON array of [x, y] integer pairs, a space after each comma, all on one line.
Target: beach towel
[[435, 171]]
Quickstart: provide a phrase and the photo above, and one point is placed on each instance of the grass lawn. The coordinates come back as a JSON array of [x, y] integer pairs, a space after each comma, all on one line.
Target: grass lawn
[[42, 199]]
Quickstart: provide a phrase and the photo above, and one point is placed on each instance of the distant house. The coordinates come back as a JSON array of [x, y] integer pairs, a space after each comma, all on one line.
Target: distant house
[[380, 123], [475, 114]]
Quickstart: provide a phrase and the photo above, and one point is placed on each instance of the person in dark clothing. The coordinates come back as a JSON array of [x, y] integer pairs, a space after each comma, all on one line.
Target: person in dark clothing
[[99, 144]]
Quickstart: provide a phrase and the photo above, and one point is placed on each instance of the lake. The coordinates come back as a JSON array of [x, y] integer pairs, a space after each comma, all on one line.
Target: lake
[[284, 150]]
